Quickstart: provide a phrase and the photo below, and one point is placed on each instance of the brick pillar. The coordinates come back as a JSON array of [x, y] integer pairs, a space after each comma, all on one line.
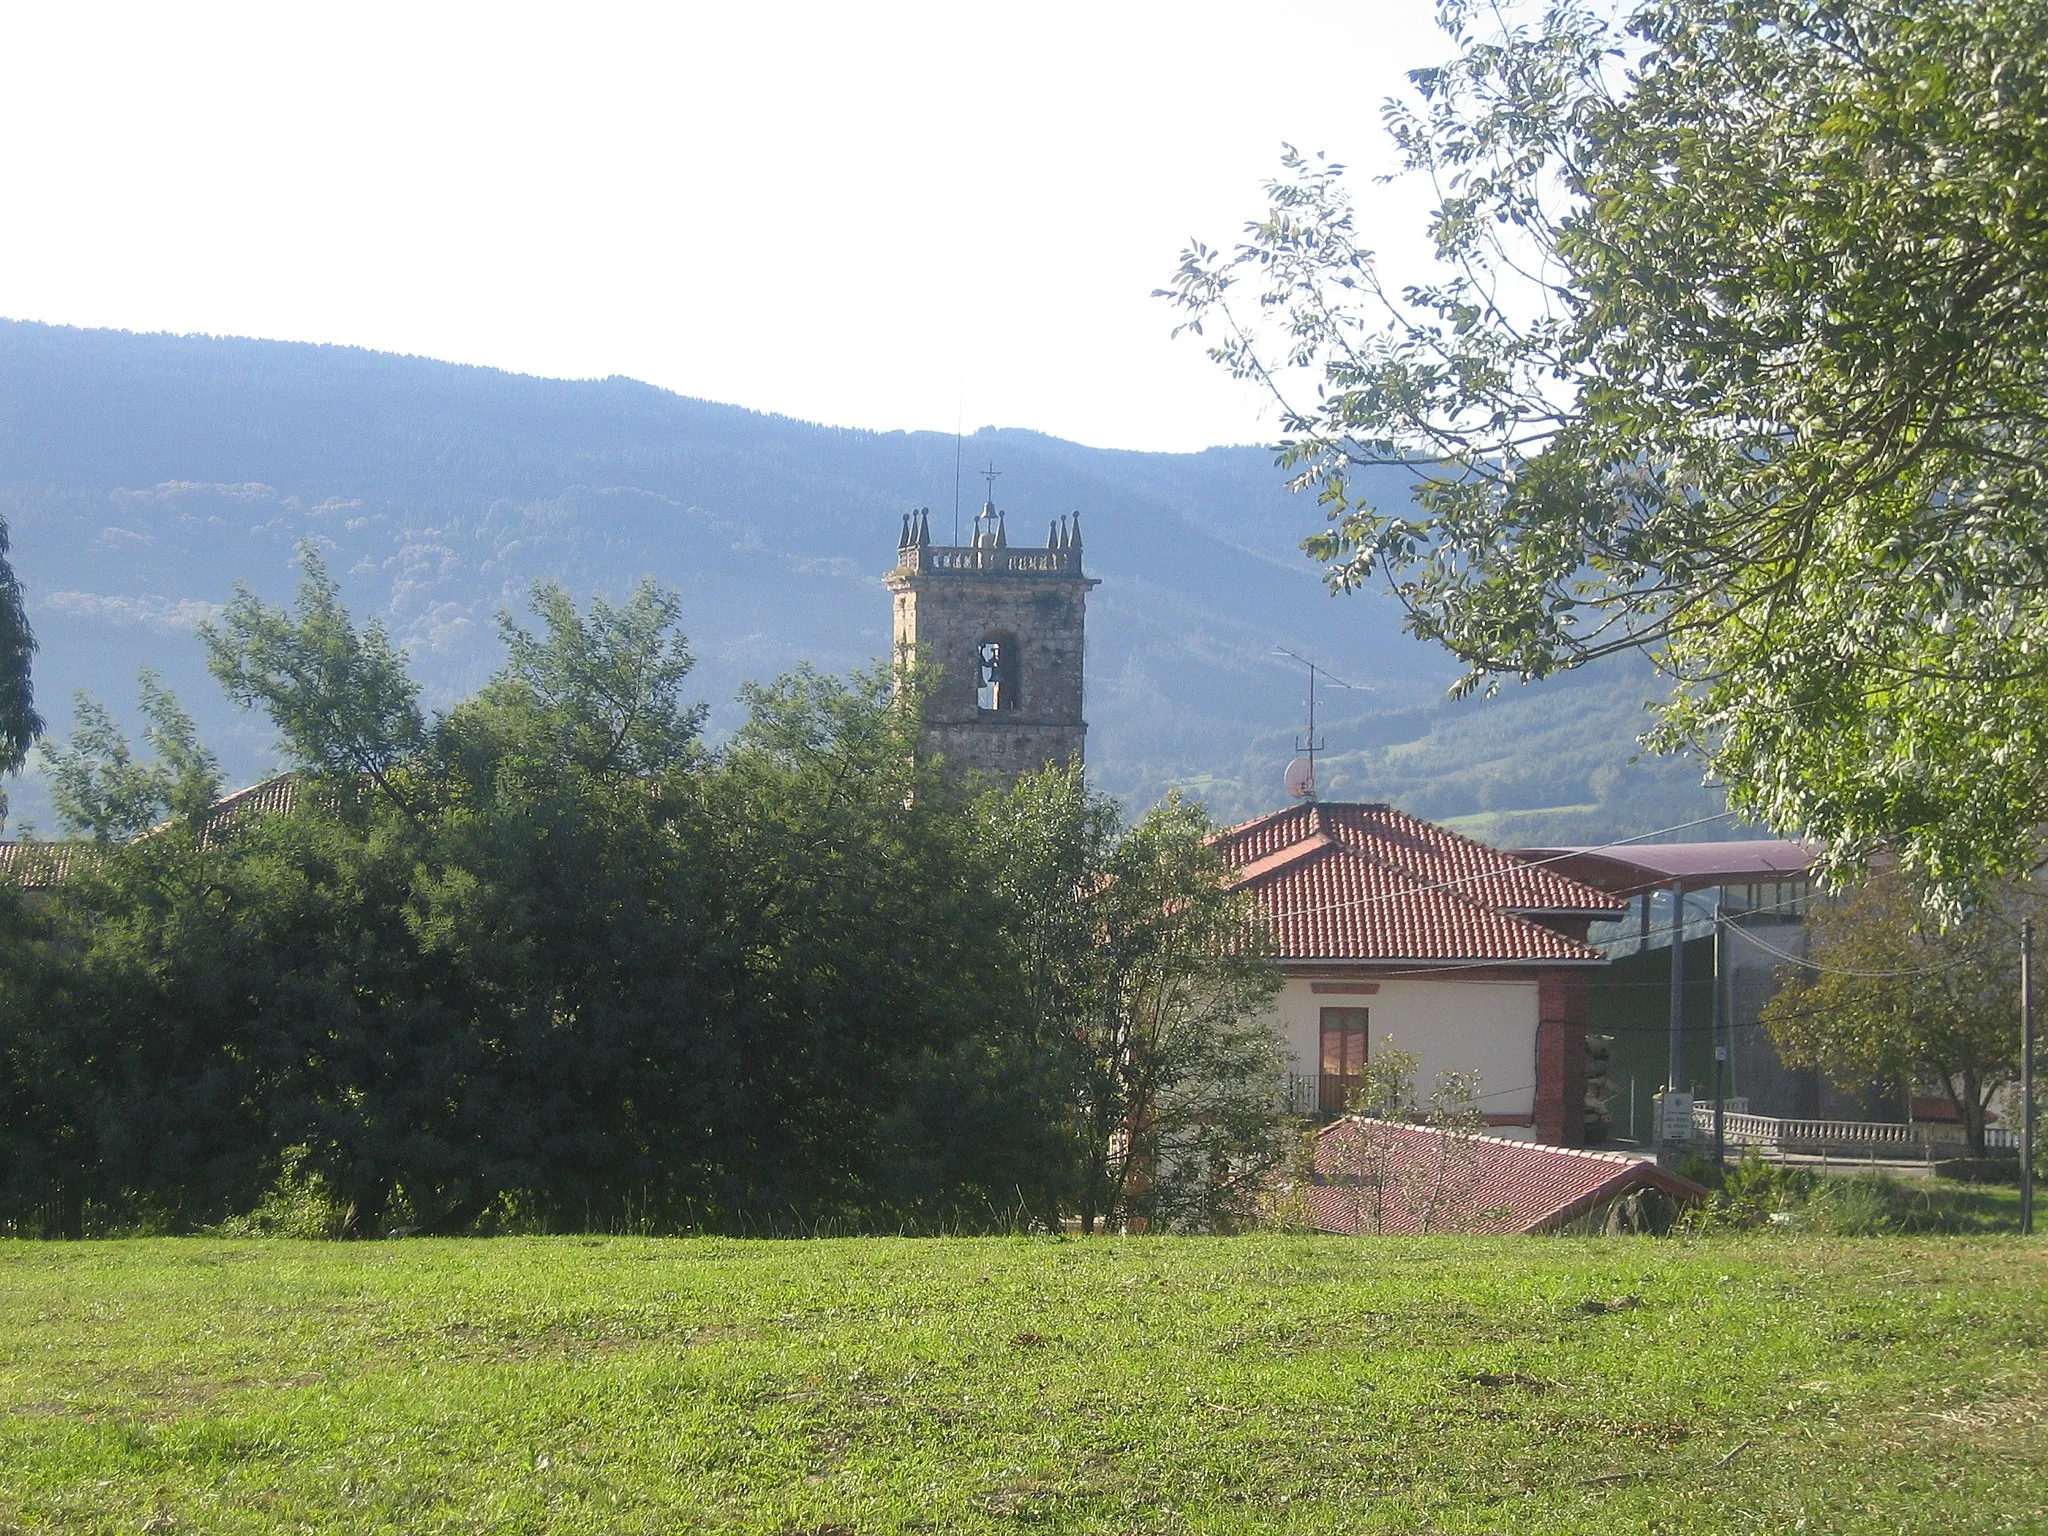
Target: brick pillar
[[1561, 1059]]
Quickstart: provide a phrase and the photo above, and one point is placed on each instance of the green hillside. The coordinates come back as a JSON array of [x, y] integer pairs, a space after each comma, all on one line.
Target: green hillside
[[143, 476]]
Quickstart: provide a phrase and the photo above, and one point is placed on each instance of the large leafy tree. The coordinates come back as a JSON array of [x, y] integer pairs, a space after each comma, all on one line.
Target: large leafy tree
[[343, 703], [1737, 352], [1140, 964], [543, 955], [1891, 997]]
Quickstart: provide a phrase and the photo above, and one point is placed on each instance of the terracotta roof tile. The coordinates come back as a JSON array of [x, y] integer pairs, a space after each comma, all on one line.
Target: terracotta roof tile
[[38, 866], [273, 797], [1433, 855], [1327, 901], [1507, 1186]]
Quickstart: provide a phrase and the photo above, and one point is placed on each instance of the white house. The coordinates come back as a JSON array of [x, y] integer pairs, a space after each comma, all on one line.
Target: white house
[[1391, 926]]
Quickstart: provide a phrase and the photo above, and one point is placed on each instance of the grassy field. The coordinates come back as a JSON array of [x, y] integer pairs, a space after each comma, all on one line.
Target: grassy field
[[1111, 1385]]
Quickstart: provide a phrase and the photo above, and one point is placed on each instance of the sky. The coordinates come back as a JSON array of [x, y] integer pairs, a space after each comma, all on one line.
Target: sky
[[881, 215]]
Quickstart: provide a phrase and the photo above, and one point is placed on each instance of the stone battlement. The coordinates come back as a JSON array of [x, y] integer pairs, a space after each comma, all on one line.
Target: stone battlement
[[1002, 560]]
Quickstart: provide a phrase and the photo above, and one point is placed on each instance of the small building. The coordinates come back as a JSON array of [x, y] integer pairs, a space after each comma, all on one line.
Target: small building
[[1474, 960], [1710, 929], [1376, 1177]]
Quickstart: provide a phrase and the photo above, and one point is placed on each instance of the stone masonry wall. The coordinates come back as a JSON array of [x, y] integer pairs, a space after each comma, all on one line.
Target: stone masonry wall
[[946, 615]]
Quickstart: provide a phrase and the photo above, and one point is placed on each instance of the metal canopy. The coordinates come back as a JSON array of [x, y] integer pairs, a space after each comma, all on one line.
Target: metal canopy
[[1689, 866]]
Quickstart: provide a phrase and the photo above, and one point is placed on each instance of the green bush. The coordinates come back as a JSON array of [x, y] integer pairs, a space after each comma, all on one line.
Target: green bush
[[1755, 1193], [300, 1203]]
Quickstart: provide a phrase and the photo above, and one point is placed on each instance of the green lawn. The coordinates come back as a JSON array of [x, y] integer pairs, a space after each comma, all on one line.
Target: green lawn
[[1112, 1385]]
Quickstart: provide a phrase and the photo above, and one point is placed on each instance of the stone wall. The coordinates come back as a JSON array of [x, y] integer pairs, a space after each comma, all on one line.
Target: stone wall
[[944, 615]]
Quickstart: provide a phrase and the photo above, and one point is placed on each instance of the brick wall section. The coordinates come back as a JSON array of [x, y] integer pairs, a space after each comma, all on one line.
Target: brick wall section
[[1561, 1058]]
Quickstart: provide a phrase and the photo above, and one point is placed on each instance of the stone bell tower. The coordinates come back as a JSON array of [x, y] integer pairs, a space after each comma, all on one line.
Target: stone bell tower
[[1004, 627]]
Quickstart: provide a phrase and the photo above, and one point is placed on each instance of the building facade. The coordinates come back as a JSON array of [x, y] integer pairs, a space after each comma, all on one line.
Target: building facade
[[1004, 629], [1392, 930]]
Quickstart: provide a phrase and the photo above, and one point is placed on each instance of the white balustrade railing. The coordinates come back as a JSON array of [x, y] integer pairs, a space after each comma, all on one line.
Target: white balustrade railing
[[1777, 1131]]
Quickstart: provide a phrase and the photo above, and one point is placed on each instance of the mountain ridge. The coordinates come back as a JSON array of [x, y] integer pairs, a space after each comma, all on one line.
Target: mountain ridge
[[143, 476]]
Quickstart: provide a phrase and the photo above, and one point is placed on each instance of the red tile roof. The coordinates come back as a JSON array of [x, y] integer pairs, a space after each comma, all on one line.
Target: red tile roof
[[273, 797], [1327, 901], [1365, 882], [37, 866], [1380, 1183], [1431, 854]]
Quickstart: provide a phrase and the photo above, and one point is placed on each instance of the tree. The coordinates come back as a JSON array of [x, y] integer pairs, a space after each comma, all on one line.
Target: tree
[[1136, 957], [548, 954], [1388, 1182], [603, 692], [866, 983], [1738, 352], [1891, 996], [102, 790], [341, 698], [20, 725]]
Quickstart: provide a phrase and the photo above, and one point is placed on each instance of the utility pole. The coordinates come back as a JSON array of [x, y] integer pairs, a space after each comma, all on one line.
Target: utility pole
[[1674, 1069], [2026, 1077], [1720, 1051]]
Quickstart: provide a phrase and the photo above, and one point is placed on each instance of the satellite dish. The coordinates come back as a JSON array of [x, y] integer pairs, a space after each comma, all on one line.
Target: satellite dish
[[1301, 778]]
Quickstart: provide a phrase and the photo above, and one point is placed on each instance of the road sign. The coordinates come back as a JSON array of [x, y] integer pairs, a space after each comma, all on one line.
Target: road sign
[[1674, 1117]]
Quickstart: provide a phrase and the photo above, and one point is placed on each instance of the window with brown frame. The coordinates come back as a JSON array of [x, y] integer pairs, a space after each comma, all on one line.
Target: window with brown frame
[[1343, 1056]]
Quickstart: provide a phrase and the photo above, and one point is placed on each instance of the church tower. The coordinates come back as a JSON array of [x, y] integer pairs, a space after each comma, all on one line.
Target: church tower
[[1004, 628]]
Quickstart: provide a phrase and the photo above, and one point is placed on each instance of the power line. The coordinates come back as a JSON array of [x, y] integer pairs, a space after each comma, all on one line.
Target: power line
[[1842, 970]]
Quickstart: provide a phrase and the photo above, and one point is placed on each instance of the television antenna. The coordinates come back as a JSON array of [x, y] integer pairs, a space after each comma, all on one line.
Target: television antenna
[[1301, 773]]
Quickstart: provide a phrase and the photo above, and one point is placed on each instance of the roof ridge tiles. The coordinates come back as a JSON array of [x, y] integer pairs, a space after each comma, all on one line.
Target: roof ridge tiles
[[1589, 1153], [1282, 857], [1409, 920]]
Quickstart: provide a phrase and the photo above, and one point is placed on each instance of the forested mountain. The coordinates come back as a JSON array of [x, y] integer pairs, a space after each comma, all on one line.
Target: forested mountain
[[143, 476]]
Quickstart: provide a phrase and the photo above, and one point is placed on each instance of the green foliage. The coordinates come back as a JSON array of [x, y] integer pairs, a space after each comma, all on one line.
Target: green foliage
[[1144, 968], [340, 698], [544, 962], [20, 725], [1736, 352], [604, 692], [299, 1204], [1892, 996], [1255, 1384], [1756, 1193], [102, 791]]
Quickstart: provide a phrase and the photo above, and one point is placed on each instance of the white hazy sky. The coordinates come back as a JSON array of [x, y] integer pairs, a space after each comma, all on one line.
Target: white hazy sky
[[878, 215]]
